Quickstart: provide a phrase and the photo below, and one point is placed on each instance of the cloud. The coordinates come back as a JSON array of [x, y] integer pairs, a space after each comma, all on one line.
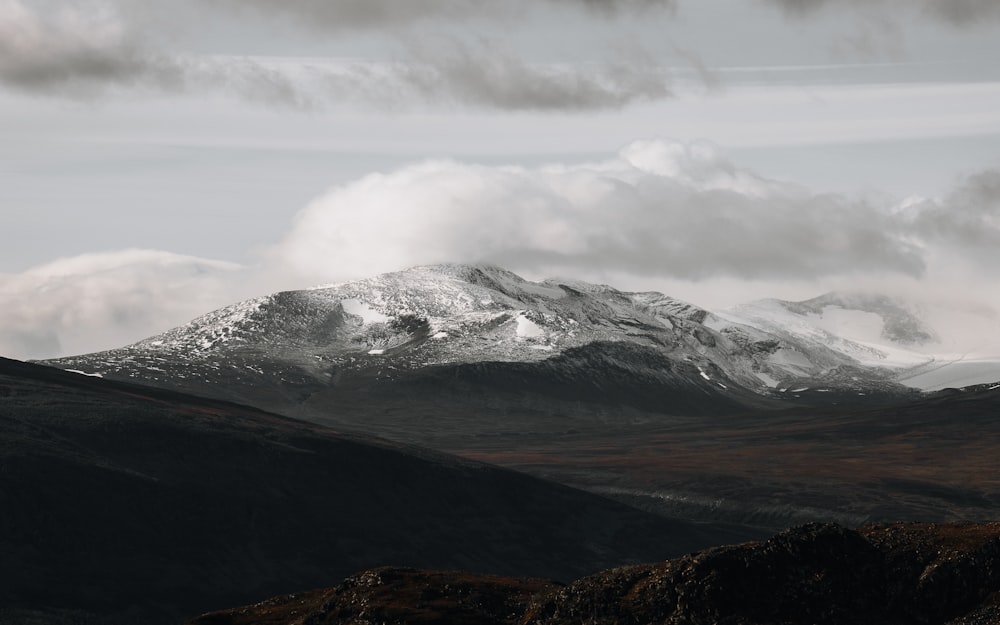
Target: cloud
[[958, 12], [88, 54], [966, 224], [84, 52], [680, 218], [72, 50], [658, 209], [489, 76], [96, 301], [352, 14]]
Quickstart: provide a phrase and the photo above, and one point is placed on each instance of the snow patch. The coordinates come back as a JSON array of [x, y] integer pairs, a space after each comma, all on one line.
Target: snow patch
[[544, 348], [376, 352], [440, 335], [853, 325], [89, 375], [703, 374], [526, 328], [953, 371], [360, 309]]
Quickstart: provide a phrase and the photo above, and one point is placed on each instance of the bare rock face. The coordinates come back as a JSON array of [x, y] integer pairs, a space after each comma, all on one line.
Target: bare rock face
[[903, 574]]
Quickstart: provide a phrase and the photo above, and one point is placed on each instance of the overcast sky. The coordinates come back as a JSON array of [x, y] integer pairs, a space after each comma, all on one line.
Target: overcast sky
[[158, 160]]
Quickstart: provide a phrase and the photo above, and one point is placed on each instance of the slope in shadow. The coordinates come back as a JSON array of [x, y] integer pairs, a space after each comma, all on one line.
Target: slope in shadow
[[121, 503]]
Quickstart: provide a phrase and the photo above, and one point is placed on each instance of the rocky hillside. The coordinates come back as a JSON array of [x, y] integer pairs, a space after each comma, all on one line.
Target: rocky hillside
[[817, 574]]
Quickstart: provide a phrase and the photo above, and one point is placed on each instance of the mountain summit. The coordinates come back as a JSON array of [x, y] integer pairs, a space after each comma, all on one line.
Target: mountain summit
[[485, 335]]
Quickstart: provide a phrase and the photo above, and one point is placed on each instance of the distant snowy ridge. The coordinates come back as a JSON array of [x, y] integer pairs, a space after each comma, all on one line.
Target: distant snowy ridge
[[454, 313]]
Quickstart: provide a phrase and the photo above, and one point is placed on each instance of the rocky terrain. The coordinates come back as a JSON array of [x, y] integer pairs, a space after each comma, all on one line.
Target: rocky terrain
[[129, 504], [916, 574]]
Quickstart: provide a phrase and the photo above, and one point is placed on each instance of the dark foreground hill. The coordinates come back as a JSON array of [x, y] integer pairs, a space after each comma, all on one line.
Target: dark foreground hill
[[814, 574], [125, 504]]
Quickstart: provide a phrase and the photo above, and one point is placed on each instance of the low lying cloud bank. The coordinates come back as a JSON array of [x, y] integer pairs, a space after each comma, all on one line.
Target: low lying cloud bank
[[680, 218], [99, 301], [657, 209]]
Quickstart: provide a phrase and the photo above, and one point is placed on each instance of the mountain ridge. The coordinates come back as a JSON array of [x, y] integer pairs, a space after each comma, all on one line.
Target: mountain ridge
[[452, 313]]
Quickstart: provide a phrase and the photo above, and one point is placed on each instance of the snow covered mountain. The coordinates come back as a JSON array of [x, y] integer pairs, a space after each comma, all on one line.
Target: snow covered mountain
[[879, 333], [486, 338]]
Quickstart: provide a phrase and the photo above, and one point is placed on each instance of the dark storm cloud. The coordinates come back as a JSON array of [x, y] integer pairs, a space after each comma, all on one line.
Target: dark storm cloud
[[960, 12]]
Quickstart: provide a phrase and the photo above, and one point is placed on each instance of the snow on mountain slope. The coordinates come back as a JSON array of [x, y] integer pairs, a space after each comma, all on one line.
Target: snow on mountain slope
[[295, 344], [442, 312], [953, 371], [876, 331]]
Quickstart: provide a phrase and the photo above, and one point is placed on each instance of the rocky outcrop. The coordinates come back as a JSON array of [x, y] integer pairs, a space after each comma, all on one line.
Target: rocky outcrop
[[820, 574]]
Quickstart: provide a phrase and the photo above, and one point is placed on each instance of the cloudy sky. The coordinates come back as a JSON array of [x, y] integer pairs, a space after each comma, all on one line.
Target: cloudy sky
[[158, 160]]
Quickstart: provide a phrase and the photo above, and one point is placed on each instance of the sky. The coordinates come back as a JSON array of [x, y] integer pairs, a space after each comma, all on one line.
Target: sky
[[160, 160]]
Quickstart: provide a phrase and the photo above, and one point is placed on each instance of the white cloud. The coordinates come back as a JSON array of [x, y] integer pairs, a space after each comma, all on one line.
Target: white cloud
[[658, 209], [98, 301], [679, 218]]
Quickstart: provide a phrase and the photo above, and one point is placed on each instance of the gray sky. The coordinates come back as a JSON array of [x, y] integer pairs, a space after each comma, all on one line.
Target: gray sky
[[161, 159]]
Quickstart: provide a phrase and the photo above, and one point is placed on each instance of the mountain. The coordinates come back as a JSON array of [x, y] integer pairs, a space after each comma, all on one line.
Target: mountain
[[914, 574], [875, 333], [769, 414], [121, 504], [432, 341]]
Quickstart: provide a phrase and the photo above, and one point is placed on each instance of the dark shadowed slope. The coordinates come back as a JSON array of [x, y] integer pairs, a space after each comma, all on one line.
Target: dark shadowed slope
[[131, 504], [814, 574]]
